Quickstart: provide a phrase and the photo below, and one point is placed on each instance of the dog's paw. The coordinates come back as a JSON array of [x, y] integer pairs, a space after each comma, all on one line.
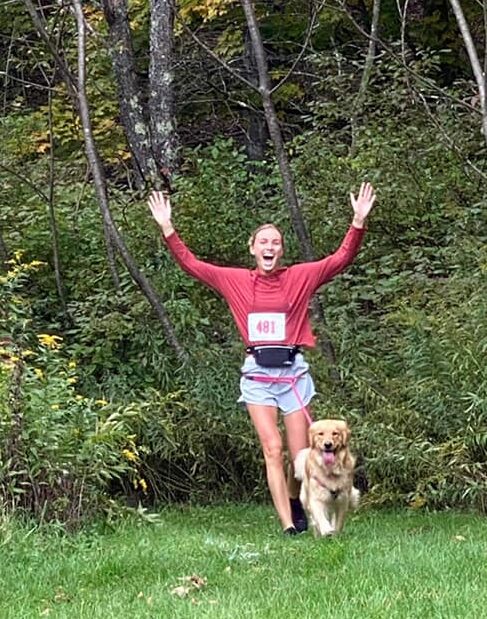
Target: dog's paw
[[327, 532]]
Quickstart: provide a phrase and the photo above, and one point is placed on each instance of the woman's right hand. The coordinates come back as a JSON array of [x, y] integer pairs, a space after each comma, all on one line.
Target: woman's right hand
[[160, 206]]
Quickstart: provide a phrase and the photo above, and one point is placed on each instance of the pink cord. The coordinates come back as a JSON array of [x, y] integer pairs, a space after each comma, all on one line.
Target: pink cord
[[289, 380]]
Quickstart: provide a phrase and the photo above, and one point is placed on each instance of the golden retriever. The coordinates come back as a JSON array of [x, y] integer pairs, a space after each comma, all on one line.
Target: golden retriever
[[326, 472]]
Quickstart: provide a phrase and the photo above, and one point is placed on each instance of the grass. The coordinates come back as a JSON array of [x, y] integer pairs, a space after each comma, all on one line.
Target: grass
[[231, 561]]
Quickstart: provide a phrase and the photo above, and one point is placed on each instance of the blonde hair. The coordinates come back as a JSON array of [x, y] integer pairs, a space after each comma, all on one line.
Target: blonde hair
[[264, 227]]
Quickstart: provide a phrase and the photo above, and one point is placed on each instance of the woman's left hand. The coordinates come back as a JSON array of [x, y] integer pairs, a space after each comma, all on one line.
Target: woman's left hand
[[363, 203]]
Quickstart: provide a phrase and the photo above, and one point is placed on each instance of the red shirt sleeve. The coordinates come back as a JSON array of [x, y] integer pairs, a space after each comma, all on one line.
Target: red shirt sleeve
[[210, 274], [321, 271]]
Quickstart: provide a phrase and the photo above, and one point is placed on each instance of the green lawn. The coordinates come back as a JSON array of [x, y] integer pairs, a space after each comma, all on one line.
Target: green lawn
[[232, 561]]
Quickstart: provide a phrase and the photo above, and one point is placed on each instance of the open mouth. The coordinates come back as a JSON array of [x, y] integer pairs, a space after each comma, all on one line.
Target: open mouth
[[328, 456], [267, 260]]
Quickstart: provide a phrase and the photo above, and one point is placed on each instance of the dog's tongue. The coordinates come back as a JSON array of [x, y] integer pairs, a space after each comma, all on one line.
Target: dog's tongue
[[328, 458]]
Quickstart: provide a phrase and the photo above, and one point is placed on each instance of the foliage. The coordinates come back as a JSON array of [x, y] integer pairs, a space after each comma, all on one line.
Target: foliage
[[406, 319], [60, 450]]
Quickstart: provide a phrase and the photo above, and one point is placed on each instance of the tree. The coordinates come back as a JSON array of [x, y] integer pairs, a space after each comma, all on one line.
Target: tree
[[478, 72], [288, 184], [132, 108], [77, 89]]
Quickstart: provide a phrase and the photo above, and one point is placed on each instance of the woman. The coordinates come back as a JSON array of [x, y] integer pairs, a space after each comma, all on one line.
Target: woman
[[270, 307]]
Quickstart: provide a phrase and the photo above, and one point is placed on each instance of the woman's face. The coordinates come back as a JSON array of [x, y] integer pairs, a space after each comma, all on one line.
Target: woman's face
[[267, 250]]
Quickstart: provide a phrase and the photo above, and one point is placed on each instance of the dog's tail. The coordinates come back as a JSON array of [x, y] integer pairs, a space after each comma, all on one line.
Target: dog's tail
[[354, 498], [299, 463]]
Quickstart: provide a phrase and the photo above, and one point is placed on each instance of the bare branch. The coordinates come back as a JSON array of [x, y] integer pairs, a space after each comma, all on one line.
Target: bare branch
[[26, 82], [215, 57], [304, 47], [479, 75], [452, 145], [392, 53], [25, 181], [470, 47], [7, 65], [364, 82], [40, 25]]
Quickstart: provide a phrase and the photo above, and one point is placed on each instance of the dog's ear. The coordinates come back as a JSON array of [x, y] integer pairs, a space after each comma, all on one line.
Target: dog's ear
[[346, 432], [311, 435]]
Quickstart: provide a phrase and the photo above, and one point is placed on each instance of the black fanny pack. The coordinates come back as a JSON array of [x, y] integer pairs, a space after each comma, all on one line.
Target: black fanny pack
[[274, 356]]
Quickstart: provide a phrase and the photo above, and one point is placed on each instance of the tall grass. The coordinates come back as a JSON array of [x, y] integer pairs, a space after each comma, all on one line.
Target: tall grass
[[232, 561]]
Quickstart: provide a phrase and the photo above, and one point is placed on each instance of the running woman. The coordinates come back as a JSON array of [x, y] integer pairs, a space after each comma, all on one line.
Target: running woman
[[270, 307]]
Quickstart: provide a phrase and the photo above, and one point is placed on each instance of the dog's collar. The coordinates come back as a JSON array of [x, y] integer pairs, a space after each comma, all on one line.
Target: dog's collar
[[334, 493]]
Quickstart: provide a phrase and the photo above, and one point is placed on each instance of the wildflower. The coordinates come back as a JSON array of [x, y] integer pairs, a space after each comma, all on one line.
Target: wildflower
[[28, 353], [55, 407], [39, 373], [129, 455], [79, 397], [101, 402], [143, 485], [51, 341], [72, 380], [72, 365]]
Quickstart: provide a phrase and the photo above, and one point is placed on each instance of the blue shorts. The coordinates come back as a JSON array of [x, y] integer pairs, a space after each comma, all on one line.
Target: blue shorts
[[281, 395]]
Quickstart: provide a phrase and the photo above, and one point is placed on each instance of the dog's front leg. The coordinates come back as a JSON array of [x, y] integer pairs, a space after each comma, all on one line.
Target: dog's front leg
[[321, 523], [341, 508]]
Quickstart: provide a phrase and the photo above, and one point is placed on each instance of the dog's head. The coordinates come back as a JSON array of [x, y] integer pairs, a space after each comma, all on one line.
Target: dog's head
[[329, 436]]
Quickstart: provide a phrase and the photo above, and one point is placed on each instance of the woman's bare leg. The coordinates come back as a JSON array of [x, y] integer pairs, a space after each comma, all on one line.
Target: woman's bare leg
[[265, 420], [296, 425]]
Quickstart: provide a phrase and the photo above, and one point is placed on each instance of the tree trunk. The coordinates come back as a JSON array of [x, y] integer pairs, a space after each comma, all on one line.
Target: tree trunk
[[132, 113], [478, 72], [257, 133], [297, 219], [52, 218], [100, 186], [164, 137], [364, 82], [3, 253]]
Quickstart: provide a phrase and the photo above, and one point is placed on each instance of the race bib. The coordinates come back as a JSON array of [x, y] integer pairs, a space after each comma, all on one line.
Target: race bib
[[266, 326]]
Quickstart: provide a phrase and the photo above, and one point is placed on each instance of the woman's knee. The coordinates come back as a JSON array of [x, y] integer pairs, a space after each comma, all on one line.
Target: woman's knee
[[273, 452]]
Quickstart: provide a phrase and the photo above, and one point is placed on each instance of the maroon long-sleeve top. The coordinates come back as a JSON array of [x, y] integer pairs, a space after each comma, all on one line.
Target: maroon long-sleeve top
[[270, 309]]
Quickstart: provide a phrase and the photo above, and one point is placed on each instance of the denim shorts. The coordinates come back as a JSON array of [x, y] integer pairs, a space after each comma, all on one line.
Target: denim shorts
[[277, 394]]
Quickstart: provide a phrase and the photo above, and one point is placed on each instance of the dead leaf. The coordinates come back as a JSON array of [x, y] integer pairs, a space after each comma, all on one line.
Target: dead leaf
[[61, 596], [181, 591], [197, 581]]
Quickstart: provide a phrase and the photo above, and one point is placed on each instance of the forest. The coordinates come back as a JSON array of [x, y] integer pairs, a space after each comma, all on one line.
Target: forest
[[119, 373]]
